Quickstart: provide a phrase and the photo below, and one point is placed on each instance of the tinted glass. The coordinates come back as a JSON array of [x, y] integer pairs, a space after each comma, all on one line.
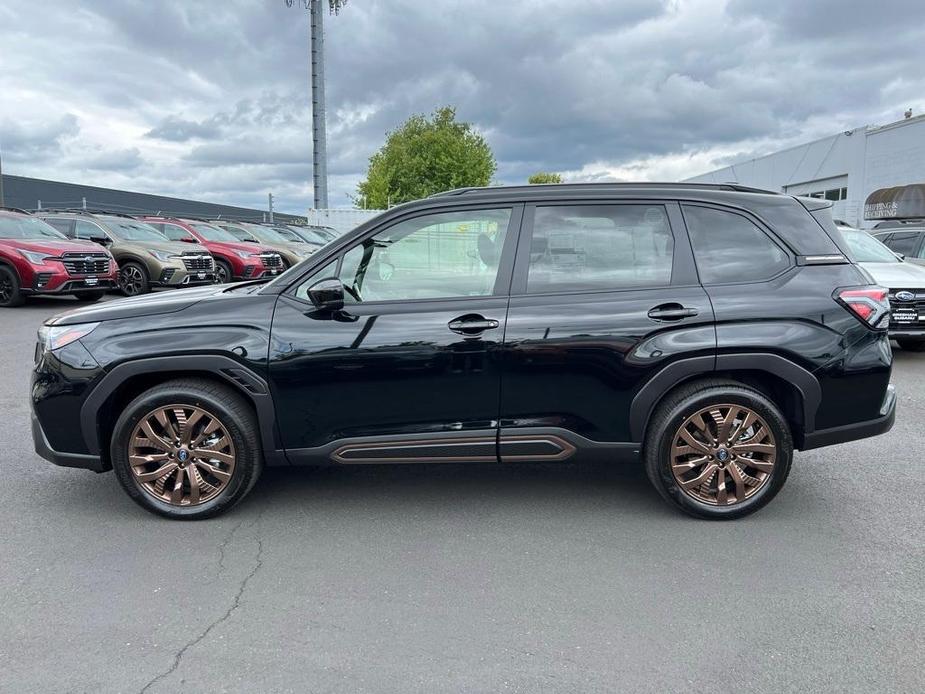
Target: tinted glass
[[904, 242], [730, 248], [175, 233], [131, 230], [213, 233], [866, 249], [25, 228], [87, 230], [599, 247], [239, 233], [452, 254], [62, 225]]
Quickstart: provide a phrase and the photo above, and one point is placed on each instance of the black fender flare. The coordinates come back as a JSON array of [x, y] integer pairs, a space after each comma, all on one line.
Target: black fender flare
[[806, 384], [237, 375]]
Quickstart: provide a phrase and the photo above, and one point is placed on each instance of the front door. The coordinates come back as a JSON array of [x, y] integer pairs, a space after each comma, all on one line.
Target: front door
[[604, 297], [409, 370]]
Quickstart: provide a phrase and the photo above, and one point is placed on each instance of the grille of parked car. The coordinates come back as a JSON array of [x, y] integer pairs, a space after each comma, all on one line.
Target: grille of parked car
[[271, 260], [907, 306], [86, 263], [197, 261]]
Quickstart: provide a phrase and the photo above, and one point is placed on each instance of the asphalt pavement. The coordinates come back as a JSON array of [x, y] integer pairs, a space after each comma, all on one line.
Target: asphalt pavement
[[520, 578]]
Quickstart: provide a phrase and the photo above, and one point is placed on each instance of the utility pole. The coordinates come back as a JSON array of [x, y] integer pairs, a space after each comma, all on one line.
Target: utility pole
[[270, 201], [319, 134], [1, 176]]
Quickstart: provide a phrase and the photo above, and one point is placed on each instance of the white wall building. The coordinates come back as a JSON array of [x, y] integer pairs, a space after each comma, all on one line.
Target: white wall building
[[845, 168], [341, 219]]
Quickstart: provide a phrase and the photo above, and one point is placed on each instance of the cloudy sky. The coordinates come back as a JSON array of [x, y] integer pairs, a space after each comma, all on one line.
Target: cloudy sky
[[209, 99]]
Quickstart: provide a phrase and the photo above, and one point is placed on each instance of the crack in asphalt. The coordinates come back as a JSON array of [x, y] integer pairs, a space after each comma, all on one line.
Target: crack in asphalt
[[225, 543], [178, 658]]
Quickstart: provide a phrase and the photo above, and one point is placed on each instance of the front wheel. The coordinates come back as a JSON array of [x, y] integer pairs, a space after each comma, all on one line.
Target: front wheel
[[718, 450], [223, 272], [10, 290], [187, 449], [133, 279], [912, 345]]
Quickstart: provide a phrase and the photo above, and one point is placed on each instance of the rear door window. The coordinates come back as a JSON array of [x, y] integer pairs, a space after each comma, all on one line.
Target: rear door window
[[904, 242], [729, 247], [599, 248]]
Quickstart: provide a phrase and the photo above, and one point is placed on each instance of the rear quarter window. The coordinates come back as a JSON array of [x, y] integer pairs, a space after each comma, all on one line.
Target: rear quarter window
[[729, 247]]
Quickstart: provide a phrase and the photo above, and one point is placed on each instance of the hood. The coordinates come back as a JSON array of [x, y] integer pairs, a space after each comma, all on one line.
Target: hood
[[145, 305], [54, 247], [238, 246], [175, 247], [897, 275]]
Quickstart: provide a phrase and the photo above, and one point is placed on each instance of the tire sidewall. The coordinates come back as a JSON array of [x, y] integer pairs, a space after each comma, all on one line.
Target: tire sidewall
[[17, 298], [146, 280], [226, 266], [245, 462], [735, 396]]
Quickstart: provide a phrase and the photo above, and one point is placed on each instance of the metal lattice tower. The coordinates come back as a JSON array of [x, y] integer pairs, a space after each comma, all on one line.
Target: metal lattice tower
[[319, 132]]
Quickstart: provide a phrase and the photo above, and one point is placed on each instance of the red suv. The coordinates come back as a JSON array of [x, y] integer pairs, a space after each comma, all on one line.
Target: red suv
[[234, 259], [37, 259]]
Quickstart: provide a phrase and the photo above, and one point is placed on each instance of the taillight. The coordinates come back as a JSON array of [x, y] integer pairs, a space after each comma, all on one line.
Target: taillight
[[870, 304]]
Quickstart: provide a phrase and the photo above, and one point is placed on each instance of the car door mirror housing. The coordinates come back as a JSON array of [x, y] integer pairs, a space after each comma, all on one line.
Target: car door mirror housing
[[102, 240], [327, 294]]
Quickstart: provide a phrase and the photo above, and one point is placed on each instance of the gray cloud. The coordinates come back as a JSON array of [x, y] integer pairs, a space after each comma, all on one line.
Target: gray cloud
[[210, 100]]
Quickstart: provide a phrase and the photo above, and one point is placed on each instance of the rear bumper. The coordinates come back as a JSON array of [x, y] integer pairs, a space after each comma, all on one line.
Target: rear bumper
[[44, 449], [858, 430]]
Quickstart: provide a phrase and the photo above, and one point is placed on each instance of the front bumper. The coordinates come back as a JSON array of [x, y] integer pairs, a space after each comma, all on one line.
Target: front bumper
[[44, 449], [179, 276], [858, 430], [72, 285]]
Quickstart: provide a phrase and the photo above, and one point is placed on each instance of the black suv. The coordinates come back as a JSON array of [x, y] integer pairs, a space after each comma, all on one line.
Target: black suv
[[708, 329]]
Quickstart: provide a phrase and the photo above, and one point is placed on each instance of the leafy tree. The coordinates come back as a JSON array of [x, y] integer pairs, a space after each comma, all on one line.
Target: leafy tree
[[426, 156], [544, 177]]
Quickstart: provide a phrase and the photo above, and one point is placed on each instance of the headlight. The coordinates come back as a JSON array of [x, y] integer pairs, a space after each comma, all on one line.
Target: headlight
[[246, 254], [163, 255], [35, 257], [56, 336]]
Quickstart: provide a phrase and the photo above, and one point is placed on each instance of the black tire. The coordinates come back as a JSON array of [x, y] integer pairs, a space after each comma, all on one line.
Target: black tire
[[223, 272], [133, 279], [89, 297], [221, 402], [685, 402], [10, 290], [912, 345]]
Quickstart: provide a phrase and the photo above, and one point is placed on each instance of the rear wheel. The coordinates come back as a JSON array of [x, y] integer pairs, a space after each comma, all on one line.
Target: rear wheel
[[89, 297], [718, 450], [223, 273], [133, 279], [10, 291], [187, 449], [912, 345]]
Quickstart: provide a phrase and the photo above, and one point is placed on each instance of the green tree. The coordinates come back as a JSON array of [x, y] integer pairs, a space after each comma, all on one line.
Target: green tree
[[426, 156], [544, 177]]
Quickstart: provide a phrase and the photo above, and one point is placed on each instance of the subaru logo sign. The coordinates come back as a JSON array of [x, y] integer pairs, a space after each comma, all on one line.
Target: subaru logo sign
[[905, 296]]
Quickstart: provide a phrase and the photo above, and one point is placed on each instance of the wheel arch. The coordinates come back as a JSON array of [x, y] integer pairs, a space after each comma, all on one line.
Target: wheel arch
[[126, 381], [793, 389]]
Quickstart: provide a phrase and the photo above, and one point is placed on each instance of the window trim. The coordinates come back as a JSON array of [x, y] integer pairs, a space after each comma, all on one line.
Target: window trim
[[681, 261], [762, 227], [505, 261], [99, 227]]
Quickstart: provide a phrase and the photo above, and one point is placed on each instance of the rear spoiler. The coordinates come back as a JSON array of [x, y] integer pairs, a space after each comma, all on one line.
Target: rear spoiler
[[815, 204]]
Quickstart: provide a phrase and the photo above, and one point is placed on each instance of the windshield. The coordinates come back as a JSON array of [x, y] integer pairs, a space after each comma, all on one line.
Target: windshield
[[866, 249], [267, 234], [130, 230], [312, 235], [26, 228], [211, 233]]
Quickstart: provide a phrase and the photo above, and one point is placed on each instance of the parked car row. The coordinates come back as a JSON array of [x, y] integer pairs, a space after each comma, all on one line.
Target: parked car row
[[86, 253]]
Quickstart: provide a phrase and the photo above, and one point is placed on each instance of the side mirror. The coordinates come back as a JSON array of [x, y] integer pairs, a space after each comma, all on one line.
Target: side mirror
[[901, 256], [327, 294], [190, 239], [102, 240]]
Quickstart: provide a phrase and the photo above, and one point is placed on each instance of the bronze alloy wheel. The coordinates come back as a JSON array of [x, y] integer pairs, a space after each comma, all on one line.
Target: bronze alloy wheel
[[723, 454], [131, 281], [181, 455]]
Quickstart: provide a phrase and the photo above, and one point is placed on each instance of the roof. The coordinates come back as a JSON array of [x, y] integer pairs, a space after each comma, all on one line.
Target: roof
[[598, 188]]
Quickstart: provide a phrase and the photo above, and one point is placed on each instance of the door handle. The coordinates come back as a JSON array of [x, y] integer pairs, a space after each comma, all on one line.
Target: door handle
[[671, 312], [472, 324]]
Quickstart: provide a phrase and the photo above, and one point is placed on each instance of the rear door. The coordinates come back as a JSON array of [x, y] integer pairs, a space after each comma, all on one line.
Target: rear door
[[604, 297]]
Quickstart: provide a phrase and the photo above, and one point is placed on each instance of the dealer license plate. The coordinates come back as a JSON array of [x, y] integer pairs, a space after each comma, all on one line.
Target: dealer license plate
[[200, 275], [905, 315], [92, 281]]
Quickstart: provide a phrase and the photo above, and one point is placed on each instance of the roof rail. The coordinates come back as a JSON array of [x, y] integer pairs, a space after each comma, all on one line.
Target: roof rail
[[14, 209], [88, 211], [606, 186]]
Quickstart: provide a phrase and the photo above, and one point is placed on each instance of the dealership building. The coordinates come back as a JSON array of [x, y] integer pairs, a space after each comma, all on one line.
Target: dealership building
[[870, 173]]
